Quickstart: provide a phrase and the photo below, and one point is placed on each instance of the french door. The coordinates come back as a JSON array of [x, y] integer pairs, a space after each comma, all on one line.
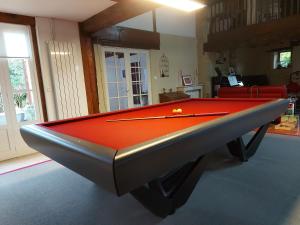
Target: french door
[[19, 102], [126, 77]]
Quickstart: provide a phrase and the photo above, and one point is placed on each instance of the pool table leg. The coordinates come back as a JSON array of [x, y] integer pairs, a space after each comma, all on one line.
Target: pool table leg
[[164, 195], [244, 152]]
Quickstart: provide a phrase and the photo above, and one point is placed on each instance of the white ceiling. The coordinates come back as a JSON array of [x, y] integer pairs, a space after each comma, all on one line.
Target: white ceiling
[[168, 21], [75, 10]]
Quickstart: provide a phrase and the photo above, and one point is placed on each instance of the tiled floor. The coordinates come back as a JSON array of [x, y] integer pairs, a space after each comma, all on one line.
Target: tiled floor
[[21, 162]]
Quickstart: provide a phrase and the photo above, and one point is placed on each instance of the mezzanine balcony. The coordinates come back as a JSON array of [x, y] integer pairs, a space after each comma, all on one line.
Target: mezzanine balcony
[[252, 23]]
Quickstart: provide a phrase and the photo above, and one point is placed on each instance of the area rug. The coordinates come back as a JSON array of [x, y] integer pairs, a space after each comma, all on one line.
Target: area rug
[[294, 132]]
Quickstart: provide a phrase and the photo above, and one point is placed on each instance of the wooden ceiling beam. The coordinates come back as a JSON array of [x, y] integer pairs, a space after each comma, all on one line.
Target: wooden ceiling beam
[[127, 38], [17, 19], [119, 12]]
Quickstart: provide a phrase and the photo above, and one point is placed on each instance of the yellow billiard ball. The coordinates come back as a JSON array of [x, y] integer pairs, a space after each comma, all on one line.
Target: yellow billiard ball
[[179, 110]]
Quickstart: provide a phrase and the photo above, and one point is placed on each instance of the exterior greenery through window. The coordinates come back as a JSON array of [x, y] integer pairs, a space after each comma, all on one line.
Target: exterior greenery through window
[[16, 72], [22, 90], [282, 59]]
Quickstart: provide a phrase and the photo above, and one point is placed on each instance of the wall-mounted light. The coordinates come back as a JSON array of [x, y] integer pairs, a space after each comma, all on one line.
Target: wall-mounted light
[[185, 5]]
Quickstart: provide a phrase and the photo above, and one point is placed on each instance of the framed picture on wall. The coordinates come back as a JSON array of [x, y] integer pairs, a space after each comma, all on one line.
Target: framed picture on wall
[[187, 80]]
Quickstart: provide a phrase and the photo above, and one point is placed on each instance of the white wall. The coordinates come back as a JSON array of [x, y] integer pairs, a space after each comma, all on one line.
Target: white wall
[[296, 58], [62, 31], [142, 22], [172, 21], [168, 21], [182, 56], [206, 61], [255, 61]]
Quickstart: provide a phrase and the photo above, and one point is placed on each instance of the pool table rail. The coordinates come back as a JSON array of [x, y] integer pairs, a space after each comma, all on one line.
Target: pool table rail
[[90, 160], [144, 162], [124, 170]]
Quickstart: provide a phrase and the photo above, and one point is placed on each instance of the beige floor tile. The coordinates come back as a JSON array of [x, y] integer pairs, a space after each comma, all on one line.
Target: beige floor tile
[[20, 162]]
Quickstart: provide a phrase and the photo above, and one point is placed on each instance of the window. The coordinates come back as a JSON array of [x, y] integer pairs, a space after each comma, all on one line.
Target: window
[[16, 63], [116, 80], [282, 59], [19, 103], [20, 79], [139, 78]]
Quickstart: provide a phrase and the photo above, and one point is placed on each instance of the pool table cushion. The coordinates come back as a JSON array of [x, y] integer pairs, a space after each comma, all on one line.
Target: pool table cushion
[[123, 134]]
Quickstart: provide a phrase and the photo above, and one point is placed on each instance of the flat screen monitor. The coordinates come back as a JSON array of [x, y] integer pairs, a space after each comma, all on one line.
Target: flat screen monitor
[[233, 82]]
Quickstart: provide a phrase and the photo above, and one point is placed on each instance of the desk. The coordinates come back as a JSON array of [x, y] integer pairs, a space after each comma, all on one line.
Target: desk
[[158, 161]]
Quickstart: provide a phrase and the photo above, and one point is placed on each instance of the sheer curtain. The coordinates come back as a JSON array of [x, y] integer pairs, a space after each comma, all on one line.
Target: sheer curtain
[[15, 41]]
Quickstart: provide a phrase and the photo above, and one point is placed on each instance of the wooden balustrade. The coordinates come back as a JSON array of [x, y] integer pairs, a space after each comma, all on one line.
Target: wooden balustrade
[[226, 15]]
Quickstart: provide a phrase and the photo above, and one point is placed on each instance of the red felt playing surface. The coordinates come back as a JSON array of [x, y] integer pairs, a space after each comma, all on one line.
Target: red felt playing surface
[[123, 134]]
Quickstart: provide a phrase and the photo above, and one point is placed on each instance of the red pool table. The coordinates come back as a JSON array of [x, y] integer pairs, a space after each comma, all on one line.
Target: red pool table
[[158, 161]]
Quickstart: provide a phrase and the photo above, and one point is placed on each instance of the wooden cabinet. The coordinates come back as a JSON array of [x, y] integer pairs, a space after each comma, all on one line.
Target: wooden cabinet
[[195, 91], [172, 96]]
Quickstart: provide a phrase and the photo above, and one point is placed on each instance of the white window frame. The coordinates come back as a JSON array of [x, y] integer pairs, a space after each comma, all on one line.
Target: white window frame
[[17, 146], [126, 52]]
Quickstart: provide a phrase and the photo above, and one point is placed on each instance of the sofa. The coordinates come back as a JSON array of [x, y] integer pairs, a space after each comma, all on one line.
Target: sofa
[[253, 92]]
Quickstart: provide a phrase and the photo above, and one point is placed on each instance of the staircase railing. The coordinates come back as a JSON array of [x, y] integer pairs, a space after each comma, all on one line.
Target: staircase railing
[[226, 15]]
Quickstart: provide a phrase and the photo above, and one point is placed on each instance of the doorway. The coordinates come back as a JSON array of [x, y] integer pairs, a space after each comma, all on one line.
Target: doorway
[[19, 98], [127, 80]]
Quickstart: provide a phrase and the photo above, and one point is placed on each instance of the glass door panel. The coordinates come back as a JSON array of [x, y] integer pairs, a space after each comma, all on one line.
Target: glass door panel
[[21, 83], [144, 75], [126, 78], [116, 80], [139, 78]]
